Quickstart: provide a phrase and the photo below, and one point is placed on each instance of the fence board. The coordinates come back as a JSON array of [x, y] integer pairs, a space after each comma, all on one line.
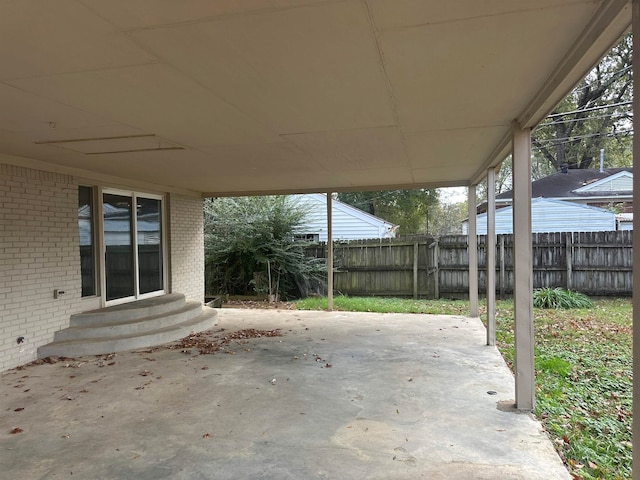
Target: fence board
[[595, 263]]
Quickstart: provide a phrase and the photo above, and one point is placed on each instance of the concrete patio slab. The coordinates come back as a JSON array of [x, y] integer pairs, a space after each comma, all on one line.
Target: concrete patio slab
[[338, 396]]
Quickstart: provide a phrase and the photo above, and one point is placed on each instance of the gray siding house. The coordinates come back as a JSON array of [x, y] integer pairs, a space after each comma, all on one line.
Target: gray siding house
[[348, 222], [551, 216]]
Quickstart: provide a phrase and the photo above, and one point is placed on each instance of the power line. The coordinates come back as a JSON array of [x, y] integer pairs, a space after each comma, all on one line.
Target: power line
[[584, 119], [600, 107], [560, 141]]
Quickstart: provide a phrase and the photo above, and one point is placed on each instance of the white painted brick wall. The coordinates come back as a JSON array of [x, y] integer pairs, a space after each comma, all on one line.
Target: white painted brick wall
[[38, 253], [186, 238]]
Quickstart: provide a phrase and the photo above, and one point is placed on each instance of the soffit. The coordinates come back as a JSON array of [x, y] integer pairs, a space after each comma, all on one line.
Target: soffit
[[263, 96]]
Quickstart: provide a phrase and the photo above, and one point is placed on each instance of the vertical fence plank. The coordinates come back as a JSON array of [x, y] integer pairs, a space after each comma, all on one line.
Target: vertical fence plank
[[415, 270], [595, 263], [436, 270], [569, 255], [503, 273]]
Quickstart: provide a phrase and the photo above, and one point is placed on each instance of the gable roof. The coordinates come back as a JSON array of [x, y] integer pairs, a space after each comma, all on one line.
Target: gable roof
[[572, 183], [321, 199], [618, 182]]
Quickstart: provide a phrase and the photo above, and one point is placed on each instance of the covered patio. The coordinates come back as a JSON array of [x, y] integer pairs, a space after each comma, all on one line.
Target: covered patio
[[338, 395], [119, 117]]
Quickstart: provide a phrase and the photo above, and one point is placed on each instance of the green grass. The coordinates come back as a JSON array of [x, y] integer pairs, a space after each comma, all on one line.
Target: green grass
[[385, 305], [583, 364]]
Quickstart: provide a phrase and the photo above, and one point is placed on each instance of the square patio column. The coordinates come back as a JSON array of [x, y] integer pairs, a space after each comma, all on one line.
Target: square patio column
[[523, 269], [490, 248], [636, 237], [329, 252], [472, 243]]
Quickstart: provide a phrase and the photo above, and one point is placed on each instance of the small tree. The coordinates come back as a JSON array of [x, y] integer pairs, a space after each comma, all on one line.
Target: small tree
[[250, 246]]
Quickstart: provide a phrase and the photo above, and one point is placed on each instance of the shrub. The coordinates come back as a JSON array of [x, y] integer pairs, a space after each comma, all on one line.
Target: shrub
[[250, 247], [560, 298]]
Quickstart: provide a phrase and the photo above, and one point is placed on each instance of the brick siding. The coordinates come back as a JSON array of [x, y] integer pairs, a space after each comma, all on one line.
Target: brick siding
[[38, 253], [186, 238]]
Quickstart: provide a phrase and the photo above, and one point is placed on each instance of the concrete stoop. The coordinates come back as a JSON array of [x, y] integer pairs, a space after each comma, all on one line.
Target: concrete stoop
[[140, 324]]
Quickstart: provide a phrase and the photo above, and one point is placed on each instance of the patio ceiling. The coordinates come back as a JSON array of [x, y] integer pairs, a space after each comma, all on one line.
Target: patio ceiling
[[256, 96]]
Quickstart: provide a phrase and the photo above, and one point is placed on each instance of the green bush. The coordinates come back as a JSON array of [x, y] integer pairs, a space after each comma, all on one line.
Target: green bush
[[560, 298], [250, 247]]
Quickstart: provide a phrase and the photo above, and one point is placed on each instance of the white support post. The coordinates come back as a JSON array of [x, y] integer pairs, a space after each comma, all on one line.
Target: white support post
[[490, 246], [472, 242], [636, 238], [523, 269], [329, 252]]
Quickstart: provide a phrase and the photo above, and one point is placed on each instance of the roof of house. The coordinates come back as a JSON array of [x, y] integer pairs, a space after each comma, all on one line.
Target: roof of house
[[564, 185], [321, 198]]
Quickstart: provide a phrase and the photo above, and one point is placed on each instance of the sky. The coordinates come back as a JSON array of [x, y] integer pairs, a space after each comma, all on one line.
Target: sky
[[453, 194]]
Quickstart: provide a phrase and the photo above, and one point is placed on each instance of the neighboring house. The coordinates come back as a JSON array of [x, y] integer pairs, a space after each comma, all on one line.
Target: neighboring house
[[348, 222], [551, 216], [607, 188], [610, 189]]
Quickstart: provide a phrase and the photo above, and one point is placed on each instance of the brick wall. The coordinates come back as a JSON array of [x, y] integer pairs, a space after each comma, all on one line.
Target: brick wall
[[186, 238], [38, 253]]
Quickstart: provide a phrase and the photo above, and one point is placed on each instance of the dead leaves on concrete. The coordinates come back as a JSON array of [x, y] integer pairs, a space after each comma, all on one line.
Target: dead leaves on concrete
[[209, 343]]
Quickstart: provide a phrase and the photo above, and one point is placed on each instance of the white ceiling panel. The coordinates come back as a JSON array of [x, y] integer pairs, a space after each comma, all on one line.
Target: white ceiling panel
[[263, 159], [44, 37], [459, 146], [354, 149], [130, 14], [407, 13], [259, 96], [461, 74], [301, 70], [157, 99]]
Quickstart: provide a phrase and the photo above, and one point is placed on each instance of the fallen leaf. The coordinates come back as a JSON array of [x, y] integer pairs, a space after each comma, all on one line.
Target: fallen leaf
[[17, 430]]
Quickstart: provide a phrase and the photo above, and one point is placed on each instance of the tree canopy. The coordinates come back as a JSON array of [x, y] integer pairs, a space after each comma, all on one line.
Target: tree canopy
[[595, 115], [406, 208]]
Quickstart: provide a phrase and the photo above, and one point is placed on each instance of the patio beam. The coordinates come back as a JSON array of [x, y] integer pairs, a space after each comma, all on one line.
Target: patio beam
[[329, 252], [636, 238], [490, 249], [472, 242], [523, 268]]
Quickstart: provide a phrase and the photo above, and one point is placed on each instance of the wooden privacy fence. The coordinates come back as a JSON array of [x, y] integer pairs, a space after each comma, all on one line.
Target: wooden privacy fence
[[595, 263]]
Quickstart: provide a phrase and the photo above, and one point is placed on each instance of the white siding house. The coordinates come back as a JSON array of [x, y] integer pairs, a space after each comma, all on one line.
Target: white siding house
[[551, 216], [348, 223]]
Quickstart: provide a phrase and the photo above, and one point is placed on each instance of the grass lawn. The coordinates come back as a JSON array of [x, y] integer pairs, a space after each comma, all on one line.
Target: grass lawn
[[584, 374]]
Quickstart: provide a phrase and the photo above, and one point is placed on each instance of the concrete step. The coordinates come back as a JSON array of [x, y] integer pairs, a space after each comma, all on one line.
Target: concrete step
[[208, 318], [188, 311], [127, 312]]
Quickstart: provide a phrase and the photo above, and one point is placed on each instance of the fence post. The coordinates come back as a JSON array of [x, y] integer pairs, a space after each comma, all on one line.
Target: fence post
[[415, 270], [569, 256], [503, 276], [436, 270]]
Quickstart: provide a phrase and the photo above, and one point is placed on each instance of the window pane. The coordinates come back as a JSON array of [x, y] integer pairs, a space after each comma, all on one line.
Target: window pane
[[87, 232], [149, 230], [120, 275]]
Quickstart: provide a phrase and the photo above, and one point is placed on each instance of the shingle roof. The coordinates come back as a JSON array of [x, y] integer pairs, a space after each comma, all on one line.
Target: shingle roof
[[559, 184]]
